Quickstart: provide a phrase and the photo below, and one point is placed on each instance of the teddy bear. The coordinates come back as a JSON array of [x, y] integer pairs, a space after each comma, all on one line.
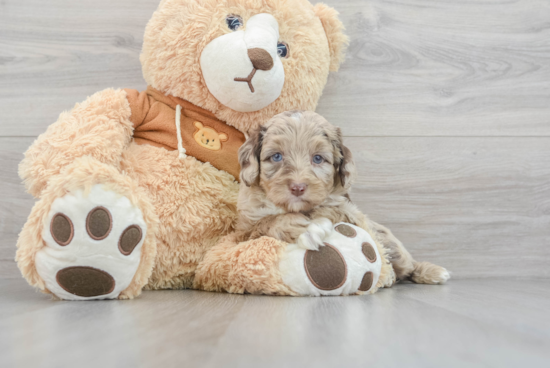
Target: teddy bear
[[138, 190]]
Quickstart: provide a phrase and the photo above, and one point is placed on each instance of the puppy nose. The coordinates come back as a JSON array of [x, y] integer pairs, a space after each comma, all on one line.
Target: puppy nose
[[260, 59], [298, 189]]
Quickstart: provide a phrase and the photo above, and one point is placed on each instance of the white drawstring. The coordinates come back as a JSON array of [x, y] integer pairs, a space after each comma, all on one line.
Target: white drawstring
[[178, 128]]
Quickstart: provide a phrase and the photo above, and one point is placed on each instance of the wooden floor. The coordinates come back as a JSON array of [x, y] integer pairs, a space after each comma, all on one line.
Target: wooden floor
[[467, 323], [446, 106]]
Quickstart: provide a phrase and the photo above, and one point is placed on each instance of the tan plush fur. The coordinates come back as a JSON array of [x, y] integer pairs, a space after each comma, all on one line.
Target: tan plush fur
[[195, 203], [239, 267], [188, 205], [180, 30], [334, 29], [98, 127]]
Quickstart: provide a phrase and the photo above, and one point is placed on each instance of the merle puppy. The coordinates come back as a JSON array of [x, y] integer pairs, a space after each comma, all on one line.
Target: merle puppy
[[295, 180]]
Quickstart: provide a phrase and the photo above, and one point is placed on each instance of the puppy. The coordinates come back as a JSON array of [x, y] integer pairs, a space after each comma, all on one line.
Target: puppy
[[295, 178]]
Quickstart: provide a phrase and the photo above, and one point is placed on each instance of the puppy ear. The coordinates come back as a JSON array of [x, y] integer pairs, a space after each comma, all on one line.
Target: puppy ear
[[343, 163], [249, 157], [334, 29], [346, 169]]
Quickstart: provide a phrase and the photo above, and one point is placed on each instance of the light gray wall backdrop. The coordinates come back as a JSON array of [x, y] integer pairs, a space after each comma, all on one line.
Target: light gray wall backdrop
[[445, 104]]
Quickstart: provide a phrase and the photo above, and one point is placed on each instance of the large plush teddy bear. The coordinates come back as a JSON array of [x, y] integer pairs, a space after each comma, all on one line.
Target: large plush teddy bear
[[138, 189]]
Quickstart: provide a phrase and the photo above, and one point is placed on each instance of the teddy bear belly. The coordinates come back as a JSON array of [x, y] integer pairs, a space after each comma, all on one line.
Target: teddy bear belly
[[196, 205]]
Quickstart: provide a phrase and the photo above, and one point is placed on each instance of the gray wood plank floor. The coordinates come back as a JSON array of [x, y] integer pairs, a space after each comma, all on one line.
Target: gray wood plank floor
[[467, 323]]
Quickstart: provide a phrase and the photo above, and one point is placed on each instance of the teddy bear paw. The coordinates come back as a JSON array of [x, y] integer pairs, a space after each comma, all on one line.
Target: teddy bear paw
[[347, 263], [93, 245]]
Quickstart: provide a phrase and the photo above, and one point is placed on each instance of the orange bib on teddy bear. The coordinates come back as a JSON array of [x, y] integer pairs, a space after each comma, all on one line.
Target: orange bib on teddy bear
[[203, 136]]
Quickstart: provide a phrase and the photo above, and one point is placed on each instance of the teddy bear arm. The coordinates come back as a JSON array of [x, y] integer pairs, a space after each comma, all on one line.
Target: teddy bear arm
[[243, 267], [99, 127]]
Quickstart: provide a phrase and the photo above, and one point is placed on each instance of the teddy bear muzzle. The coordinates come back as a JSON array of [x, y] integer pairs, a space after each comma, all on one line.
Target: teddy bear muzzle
[[248, 56]]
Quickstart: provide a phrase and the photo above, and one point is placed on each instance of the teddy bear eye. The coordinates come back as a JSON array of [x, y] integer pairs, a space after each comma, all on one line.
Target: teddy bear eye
[[283, 50], [234, 22]]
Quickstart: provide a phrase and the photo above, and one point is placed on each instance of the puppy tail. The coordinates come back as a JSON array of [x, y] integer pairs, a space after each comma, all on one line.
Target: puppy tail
[[429, 273]]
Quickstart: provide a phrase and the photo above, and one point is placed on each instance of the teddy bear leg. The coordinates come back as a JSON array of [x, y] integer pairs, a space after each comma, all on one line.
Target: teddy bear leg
[[90, 236]]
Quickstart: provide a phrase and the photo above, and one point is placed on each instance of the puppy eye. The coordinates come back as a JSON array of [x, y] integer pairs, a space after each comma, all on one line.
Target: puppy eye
[[318, 159], [234, 22], [283, 50], [277, 157]]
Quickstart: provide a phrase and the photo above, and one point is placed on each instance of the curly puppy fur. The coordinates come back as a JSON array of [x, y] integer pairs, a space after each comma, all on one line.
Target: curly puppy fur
[[296, 170]]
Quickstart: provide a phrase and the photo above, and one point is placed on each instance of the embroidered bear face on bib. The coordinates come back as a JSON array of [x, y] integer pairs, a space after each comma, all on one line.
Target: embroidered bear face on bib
[[209, 138]]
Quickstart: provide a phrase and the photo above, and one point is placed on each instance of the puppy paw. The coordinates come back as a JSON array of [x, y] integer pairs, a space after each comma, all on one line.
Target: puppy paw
[[315, 235]]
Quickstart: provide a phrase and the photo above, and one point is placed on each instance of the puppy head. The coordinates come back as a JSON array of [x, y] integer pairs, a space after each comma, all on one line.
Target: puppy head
[[298, 159]]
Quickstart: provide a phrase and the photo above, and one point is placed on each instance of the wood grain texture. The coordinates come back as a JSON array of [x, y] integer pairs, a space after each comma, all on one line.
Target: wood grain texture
[[414, 68], [54, 54], [473, 323], [479, 206], [443, 68], [15, 203]]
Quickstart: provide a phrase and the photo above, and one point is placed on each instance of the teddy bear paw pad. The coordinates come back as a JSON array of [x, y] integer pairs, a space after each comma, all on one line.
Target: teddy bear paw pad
[[347, 263], [325, 268], [93, 245]]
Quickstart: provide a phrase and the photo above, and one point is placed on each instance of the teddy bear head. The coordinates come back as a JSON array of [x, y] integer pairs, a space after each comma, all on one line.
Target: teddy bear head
[[243, 60]]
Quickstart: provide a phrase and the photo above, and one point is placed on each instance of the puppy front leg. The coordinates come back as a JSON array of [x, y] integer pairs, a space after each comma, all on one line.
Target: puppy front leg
[[316, 232], [286, 227]]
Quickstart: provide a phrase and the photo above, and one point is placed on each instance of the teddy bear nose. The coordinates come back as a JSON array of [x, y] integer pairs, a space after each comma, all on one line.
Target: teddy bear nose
[[298, 189], [260, 59]]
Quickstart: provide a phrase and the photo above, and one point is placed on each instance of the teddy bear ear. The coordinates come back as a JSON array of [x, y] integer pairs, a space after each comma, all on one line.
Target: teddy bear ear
[[334, 29], [199, 125], [222, 137]]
